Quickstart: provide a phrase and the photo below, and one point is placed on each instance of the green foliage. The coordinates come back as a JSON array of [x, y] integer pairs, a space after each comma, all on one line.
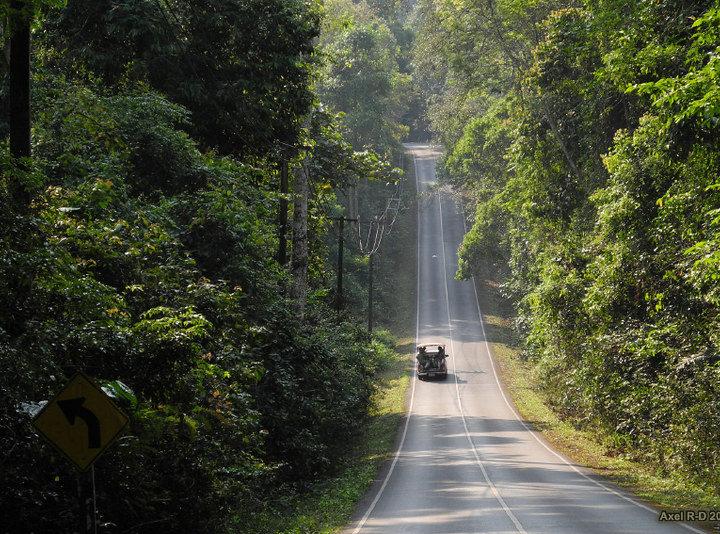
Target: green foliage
[[693, 95], [147, 261], [483, 247], [362, 78], [591, 167], [313, 394], [478, 158], [240, 68]]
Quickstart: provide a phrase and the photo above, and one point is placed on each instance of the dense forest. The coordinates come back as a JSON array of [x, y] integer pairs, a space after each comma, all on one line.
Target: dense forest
[[585, 139], [170, 192], [168, 228]]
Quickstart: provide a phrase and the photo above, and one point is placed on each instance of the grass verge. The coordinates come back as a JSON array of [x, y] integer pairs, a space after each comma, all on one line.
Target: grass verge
[[584, 447]]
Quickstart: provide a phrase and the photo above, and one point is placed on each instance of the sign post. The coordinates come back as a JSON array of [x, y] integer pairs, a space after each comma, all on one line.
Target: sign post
[[81, 421]]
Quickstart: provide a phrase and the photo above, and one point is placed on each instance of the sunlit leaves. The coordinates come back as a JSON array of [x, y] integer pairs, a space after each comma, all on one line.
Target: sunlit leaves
[[694, 95], [361, 78], [598, 189], [147, 261]]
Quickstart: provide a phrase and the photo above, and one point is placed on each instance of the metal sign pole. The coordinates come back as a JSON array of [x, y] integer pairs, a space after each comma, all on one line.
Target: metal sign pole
[[82, 444], [85, 502], [94, 500], [88, 501]]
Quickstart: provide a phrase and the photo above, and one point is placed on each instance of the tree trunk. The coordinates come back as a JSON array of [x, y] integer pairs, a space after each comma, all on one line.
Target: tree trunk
[[353, 209], [559, 139], [299, 262], [352, 202], [283, 214], [341, 252], [19, 96]]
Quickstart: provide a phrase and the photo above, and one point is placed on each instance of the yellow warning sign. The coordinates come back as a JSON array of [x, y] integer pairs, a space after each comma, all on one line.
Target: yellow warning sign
[[81, 421]]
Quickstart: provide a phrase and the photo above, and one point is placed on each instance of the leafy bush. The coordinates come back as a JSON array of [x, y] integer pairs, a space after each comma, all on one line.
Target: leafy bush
[[146, 262], [590, 147]]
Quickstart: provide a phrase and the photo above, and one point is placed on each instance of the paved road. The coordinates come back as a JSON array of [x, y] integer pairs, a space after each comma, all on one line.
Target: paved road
[[466, 461]]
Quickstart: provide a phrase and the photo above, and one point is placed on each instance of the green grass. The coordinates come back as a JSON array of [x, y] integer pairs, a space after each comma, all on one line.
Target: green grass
[[584, 447]]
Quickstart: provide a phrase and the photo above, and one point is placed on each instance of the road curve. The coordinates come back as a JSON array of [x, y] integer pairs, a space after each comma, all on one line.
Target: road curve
[[466, 462]]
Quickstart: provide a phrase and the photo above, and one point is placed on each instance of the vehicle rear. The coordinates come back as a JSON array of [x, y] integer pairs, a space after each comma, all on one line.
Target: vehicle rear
[[431, 361]]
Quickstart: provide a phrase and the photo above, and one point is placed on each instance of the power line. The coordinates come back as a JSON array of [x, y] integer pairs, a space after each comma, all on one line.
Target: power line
[[379, 226]]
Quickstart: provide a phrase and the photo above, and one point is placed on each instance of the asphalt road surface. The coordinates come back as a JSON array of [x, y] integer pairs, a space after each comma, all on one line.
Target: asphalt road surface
[[466, 462]]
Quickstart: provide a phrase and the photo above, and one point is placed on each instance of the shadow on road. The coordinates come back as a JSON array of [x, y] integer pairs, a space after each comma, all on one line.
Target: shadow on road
[[451, 494]]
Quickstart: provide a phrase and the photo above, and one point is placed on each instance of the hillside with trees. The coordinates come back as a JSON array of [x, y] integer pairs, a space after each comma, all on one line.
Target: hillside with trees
[[585, 139], [173, 173], [169, 233]]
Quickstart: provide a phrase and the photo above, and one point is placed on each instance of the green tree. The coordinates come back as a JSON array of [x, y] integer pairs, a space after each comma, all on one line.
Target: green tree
[[362, 79], [586, 140], [239, 67]]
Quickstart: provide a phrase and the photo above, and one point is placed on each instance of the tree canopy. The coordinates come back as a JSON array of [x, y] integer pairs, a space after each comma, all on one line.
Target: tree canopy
[[585, 136], [144, 254], [242, 69]]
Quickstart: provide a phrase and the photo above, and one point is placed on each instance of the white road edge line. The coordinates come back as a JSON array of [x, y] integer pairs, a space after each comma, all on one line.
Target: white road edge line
[[479, 462], [533, 432], [396, 456]]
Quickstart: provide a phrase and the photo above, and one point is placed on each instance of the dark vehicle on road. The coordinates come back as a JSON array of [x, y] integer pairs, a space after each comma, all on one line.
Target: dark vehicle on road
[[431, 360]]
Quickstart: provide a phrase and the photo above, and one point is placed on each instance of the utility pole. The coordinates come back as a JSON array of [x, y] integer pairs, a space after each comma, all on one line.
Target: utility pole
[[341, 246], [370, 293]]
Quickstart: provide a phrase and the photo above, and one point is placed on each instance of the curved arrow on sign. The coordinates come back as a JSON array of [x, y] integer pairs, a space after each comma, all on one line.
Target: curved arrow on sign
[[73, 408]]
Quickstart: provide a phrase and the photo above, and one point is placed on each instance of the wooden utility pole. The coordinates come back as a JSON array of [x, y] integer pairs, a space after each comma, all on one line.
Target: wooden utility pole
[[370, 293], [341, 247]]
